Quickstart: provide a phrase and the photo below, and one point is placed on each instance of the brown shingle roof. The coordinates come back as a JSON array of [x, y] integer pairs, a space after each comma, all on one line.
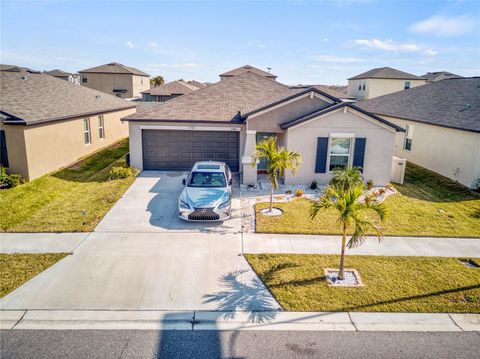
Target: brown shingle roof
[[196, 84], [453, 103], [171, 88], [58, 73], [440, 75], [222, 101], [115, 68], [385, 73], [246, 68], [30, 98]]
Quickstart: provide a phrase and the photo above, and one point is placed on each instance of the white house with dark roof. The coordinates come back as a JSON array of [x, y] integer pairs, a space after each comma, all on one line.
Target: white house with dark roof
[[381, 81], [116, 79], [225, 121], [442, 123]]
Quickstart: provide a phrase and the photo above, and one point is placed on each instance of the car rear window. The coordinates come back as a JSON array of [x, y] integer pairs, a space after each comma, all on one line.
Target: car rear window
[[207, 179]]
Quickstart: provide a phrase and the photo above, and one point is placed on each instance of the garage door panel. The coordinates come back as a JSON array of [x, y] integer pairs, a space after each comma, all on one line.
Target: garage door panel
[[179, 150]]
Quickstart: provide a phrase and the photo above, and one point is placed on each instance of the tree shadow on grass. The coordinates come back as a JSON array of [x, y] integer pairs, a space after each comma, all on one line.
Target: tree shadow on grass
[[250, 296]]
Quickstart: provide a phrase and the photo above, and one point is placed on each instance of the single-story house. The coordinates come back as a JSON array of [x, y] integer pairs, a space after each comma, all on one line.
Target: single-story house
[[381, 81], [225, 120], [439, 76], [442, 123], [167, 91], [66, 76], [47, 123]]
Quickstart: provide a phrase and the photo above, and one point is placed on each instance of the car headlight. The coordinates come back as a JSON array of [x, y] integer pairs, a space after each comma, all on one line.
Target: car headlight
[[183, 204], [225, 204]]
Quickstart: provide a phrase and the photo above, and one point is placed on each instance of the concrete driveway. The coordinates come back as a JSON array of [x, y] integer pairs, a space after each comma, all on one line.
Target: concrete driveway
[[148, 271], [150, 205]]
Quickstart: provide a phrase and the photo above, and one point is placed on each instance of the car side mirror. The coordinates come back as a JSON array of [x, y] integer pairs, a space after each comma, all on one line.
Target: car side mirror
[[184, 182]]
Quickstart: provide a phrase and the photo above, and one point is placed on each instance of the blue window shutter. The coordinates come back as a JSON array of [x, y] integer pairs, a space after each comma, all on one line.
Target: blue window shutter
[[359, 152], [322, 149]]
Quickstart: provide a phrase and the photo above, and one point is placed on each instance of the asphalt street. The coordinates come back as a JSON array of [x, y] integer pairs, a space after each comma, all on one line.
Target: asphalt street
[[80, 344]]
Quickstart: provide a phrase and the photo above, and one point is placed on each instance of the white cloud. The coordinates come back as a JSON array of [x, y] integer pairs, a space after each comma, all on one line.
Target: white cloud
[[337, 59], [152, 44], [130, 44], [257, 44], [430, 52], [388, 45], [325, 39], [444, 26]]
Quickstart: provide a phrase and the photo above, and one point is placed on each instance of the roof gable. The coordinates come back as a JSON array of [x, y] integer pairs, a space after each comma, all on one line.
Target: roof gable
[[171, 88], [247, 68], [115, 68], [385, 73]]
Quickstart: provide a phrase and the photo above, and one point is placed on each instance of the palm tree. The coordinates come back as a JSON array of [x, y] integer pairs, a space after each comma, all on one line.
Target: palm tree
[[346, 177], [157, 81], [351, 215], [278, 159]]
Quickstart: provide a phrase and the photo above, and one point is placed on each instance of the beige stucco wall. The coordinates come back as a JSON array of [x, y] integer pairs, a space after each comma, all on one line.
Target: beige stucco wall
[[48, 147], [108, 82], [270, 121], [135, 136], [379, 87], [378, 152], [452, 153]]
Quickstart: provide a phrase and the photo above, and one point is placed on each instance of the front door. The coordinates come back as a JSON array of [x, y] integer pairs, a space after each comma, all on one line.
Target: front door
[[262, 165]]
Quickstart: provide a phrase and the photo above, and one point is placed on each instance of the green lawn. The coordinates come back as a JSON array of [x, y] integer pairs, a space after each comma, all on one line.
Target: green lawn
[[16, 269], [391, 284], [55, 202], [427, 205]]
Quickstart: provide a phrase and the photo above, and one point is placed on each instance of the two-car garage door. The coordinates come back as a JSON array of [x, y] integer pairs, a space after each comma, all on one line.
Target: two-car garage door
[[180, 149]]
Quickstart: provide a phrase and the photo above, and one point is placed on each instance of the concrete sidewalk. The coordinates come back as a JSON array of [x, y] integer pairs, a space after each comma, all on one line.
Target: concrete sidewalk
[[240, 320], [41, 242], [390, 246]]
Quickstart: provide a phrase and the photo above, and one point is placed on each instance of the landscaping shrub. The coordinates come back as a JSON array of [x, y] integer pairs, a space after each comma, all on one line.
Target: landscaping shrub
[[123, 172], [299, 193], [369, 184], [9, 180], [314, 184]]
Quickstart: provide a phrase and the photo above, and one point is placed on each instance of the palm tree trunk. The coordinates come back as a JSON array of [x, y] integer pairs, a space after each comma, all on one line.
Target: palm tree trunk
[[271, 199], [342, 255]]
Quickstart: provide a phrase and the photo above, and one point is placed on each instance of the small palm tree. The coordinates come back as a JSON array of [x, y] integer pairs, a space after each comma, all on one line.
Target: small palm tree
[[157, 81], [278, 159], [346, 177], [351, 215]]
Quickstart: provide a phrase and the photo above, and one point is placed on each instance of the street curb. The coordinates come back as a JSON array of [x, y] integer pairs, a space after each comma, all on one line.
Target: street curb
[[238, 320]]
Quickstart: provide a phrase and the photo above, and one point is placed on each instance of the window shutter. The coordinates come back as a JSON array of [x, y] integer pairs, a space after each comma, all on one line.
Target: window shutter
[[322, 149], [3, 150], [359, 152]]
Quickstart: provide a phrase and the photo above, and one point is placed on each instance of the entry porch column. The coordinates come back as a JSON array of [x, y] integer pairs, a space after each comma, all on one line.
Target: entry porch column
[[249, 172]]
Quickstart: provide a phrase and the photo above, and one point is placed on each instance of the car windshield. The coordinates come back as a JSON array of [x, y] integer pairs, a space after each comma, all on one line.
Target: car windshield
[[207, 179]]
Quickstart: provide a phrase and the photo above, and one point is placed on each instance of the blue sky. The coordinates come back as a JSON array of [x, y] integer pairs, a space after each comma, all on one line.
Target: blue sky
[[303, 42]]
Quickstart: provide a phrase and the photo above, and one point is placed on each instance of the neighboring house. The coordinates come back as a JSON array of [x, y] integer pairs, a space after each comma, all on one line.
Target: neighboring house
[[167, 91], [197, 84], [439, 75], [47, 123], [242, 69], [442, 122], [381, 81], [66, 76], [116, 79], [225, 120]]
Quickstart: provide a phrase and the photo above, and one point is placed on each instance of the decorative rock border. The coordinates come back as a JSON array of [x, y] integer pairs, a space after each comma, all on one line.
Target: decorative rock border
[[352, 278]]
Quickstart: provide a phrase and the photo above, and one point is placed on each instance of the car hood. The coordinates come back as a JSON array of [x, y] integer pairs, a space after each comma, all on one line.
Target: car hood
[[204, 197]]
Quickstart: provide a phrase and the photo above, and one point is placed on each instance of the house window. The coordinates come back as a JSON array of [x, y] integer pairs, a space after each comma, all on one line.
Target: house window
[[101, 128], [359, 85], [141, 80], [84, 79], [86, 131], [407, 146], [407, 85], [339, 154], [364, 82]]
